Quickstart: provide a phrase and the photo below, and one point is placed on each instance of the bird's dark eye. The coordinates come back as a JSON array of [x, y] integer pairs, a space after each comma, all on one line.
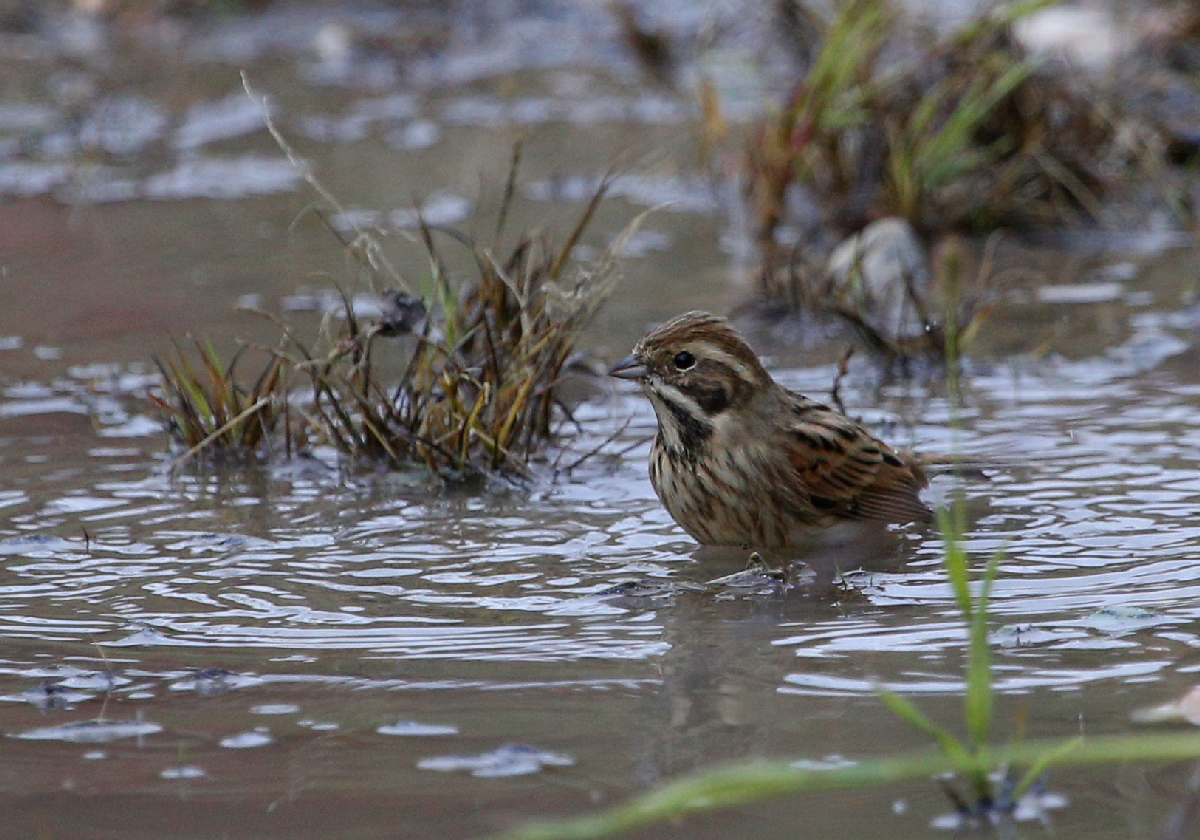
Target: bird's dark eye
[[684, 360]]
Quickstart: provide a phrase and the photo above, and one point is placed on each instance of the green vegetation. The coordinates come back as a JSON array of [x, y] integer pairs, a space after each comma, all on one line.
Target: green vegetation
[[961, 133], [480, 363], [955, 132], [739, 784], [206, 409], [477, 393], [973, 758]]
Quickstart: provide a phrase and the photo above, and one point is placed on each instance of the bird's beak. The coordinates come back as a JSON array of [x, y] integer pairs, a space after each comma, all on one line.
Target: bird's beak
[[631, 367]]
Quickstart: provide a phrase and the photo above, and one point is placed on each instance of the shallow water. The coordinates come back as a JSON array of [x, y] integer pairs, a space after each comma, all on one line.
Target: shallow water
[[287, 651]]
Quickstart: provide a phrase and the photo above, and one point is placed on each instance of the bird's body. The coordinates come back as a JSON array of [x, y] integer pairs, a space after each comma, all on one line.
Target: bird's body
[[741, 460]]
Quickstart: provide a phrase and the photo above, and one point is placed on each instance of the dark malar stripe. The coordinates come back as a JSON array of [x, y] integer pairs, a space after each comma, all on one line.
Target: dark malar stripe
[[693, 431]]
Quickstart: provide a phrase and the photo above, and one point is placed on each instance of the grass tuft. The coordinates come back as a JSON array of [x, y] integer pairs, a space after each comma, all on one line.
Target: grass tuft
[[478, 392], [462, 379], [209, 412], [955, 133], [960, 133]]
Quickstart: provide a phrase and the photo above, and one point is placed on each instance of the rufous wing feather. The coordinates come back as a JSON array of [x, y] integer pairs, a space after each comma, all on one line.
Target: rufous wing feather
[[848, 471]]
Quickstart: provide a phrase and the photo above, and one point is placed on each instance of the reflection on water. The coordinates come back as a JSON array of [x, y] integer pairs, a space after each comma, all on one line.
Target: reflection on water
[[288, 651]]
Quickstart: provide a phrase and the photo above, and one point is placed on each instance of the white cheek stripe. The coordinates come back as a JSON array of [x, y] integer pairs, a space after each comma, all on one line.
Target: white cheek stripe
[[677, 397]]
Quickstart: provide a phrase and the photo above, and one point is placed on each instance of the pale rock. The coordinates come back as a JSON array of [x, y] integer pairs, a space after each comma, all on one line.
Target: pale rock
[[873, 270]]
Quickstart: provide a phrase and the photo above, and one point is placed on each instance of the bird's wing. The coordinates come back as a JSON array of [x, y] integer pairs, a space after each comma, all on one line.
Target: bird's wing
[[847, 471]]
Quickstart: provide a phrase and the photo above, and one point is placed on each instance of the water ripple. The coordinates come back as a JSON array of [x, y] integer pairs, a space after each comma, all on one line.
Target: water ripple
[[1092, 496]]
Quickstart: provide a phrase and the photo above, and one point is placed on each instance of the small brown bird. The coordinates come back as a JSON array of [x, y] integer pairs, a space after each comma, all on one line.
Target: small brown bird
[[741, 460]]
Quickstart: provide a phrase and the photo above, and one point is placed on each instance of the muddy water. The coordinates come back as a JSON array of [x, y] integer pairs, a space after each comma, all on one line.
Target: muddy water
[[289, 652]]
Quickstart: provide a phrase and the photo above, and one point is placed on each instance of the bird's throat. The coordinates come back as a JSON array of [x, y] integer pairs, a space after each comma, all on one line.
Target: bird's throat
[[683, 427]]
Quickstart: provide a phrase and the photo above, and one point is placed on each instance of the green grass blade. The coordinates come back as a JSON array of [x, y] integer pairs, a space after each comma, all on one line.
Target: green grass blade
[[950, 746], [738, 784], [1038, 767], [728, 785], [1008, 13], [954, 557], [832, 85], [978, 698]]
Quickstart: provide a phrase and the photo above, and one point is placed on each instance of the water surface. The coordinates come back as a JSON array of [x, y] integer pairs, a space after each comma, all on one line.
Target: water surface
[[292, 651]]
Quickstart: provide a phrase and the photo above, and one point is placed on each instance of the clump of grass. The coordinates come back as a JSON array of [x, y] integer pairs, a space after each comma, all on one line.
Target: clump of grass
[[959, 133], [208, 411], [478, 393], [962, 134], [480, 358], [805, 140]]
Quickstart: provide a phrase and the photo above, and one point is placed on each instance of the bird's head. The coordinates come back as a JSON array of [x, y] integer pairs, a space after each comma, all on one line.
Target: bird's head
[[694, 368]]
